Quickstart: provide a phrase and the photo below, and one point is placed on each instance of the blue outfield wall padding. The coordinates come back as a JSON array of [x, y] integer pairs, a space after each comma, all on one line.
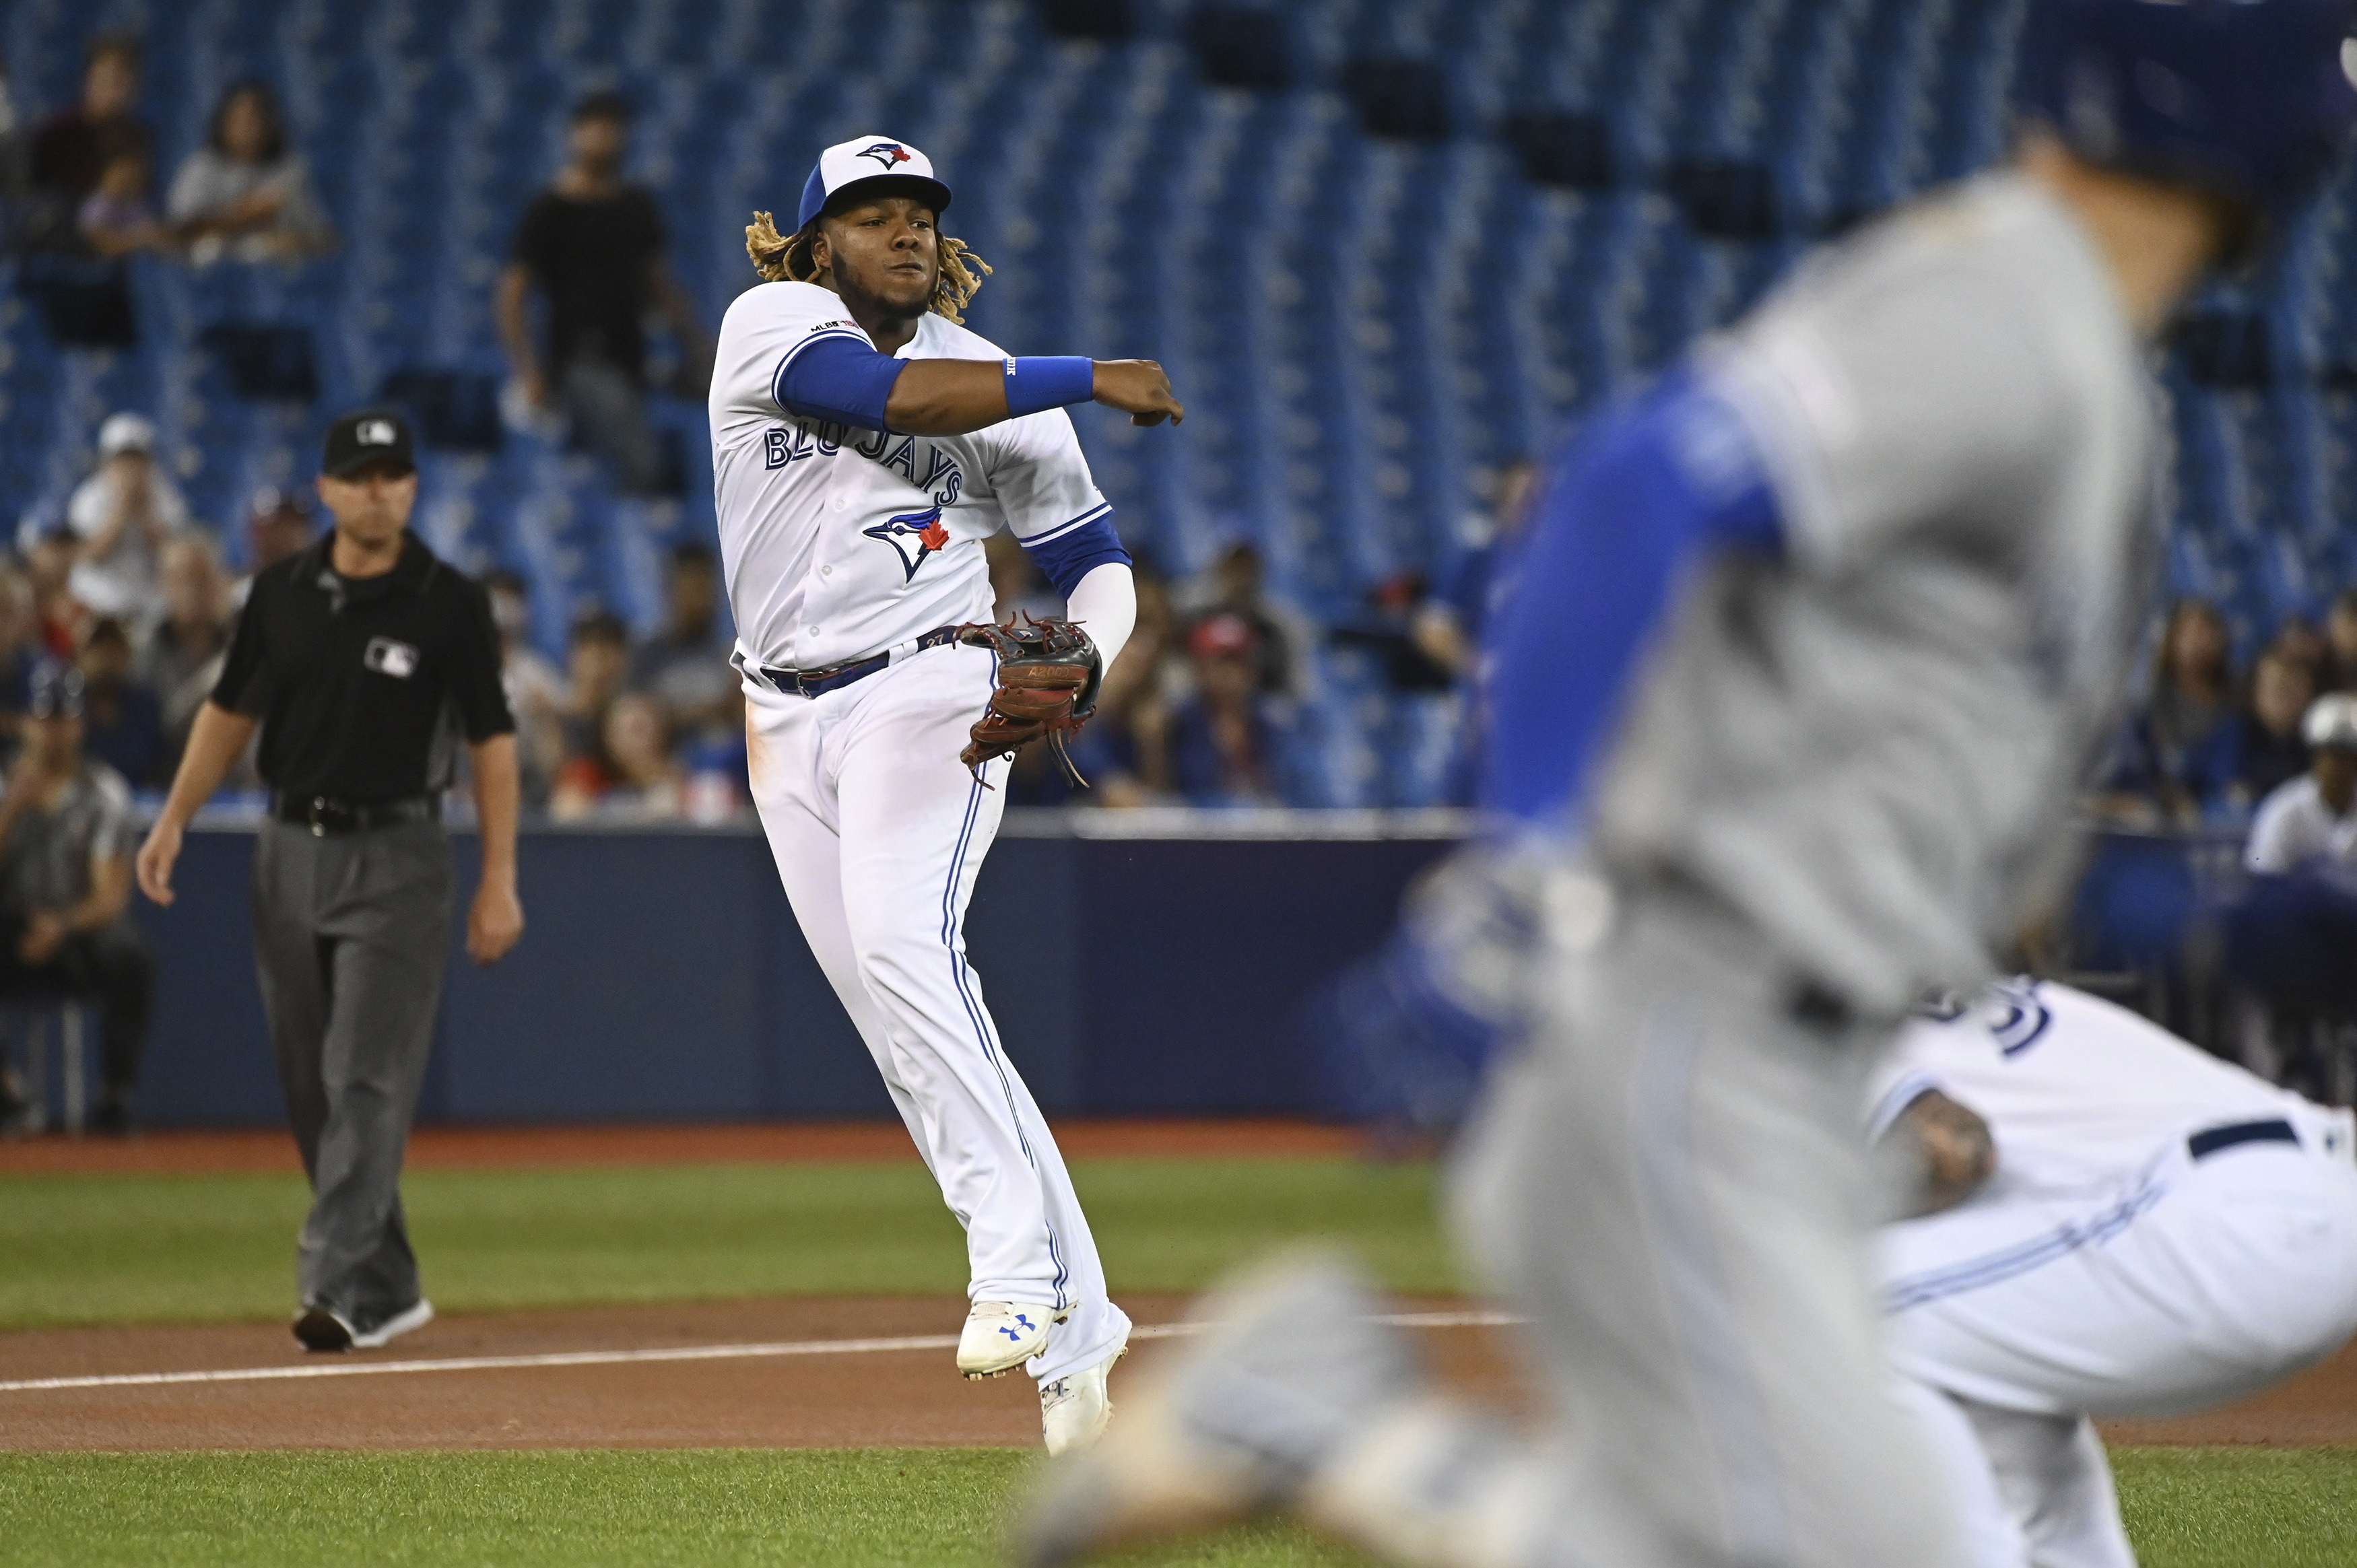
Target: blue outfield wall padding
[[662, 977]]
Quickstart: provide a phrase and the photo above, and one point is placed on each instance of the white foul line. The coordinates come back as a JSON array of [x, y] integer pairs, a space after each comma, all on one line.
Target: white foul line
[[632, 1358]]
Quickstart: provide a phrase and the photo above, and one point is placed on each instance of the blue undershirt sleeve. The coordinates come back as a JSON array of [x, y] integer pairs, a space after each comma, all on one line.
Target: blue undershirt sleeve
[[1640, 499], [1065, 558], [838, 377]]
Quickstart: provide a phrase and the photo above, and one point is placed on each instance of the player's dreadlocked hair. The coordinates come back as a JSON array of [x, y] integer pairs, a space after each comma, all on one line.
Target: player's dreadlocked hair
[[787, 259]]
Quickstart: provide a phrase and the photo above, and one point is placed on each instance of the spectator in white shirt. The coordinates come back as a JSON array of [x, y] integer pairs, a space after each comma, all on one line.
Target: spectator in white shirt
[[243, 196], [2310, 824], [124, 515]]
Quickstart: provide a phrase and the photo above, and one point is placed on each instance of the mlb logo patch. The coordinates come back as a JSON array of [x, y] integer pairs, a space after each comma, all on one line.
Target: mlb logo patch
[[375, 433], [387, 657]]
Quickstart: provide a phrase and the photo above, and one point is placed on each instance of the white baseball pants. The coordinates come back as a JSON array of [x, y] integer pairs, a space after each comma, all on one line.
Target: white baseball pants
[[878, 831], [2016, 1317]]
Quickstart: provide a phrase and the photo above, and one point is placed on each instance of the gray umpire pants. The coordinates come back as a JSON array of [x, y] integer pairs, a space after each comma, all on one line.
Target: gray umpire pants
[[1671, 1183], [350, 932]]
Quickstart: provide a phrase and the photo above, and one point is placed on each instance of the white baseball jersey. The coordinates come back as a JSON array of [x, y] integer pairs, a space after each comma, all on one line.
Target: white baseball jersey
[[2295, 831], [839, 543], [2076, 1091], [2107, 1268]]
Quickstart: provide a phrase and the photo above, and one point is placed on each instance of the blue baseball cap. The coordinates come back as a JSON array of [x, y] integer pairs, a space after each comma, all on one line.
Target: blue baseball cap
[[865, 160], [2250, 98]]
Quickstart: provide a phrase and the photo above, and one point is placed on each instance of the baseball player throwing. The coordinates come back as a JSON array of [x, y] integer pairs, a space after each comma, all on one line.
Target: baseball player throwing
[[2162, 1232], [864, 445], [1810, 646]]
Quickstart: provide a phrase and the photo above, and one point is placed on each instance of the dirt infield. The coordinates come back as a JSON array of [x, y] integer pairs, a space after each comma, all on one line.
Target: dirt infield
[[764, 1373], [798, 1394], [759, 1373], [780, 1143]]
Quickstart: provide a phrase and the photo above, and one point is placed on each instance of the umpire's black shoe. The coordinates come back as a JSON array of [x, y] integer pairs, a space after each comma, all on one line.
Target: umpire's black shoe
[[320, 1329]]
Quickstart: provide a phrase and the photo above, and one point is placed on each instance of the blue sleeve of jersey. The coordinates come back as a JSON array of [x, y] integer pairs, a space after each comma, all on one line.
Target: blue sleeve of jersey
[[1630, 507], [1069, 555], [838, 377]]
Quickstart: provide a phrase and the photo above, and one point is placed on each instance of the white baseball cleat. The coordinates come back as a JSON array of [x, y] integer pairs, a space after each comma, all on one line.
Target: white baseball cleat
[[1000, 1336], [415, 1317], [1289, 1367], [1075, 1408]]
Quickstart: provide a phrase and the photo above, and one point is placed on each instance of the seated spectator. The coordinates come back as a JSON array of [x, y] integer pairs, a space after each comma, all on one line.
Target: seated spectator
[[277, 524], [2180, 756], [124, 514], [242, 195], [597, 660], [1450, 624], [2269, 752], [123, 722], [2339, 671], [70, 148], [685, 665], [181, 658], [535, 691], [2310, 825], [85, 298], [1230, 740], [65, 889], [1236, 584], [632, 775], [50, 549], [2287, 941], [20, 655], [117, 218]]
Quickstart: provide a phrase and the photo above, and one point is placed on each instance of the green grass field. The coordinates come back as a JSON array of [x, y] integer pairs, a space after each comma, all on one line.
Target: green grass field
[[87, 1250], [868, 1508], [188, 1249]]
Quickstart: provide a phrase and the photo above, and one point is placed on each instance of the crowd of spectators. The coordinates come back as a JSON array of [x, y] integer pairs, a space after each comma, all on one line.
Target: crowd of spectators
[[2208, 742], [80, 194]]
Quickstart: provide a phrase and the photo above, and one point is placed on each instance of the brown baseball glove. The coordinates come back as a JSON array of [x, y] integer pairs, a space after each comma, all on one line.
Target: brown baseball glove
[[1048, 673]]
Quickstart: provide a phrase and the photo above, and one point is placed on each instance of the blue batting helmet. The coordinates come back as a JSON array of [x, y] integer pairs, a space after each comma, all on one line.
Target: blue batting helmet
[[2250, 98]]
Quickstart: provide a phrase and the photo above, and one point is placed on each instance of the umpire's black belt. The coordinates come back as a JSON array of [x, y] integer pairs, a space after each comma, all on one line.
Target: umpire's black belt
[[324, 814], [2203, 1144], [818, 682]]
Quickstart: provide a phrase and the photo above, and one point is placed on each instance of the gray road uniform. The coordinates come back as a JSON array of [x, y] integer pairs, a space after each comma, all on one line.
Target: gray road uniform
[[1844, 774]]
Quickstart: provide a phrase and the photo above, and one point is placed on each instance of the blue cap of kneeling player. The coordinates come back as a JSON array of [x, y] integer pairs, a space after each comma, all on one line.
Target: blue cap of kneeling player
[[866, 161]]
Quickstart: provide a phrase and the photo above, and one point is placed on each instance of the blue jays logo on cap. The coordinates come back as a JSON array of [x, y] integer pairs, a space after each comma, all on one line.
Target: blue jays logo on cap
[[923, 529], [864, 158]]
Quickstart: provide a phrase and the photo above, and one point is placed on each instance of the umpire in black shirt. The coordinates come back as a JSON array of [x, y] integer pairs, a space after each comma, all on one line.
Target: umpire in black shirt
[[364, 660]]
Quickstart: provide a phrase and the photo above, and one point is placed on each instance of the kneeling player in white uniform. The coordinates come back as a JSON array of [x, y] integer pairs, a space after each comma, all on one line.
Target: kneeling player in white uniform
[[864, 445], [2163, 1233]]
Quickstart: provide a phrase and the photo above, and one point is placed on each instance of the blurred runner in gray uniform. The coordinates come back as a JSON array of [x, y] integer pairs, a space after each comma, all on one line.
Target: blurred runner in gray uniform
[[1812, 643]]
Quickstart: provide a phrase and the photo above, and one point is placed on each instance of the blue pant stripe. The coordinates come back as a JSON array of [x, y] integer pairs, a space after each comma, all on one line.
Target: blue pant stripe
[[980, 1022], [2011, 1263]]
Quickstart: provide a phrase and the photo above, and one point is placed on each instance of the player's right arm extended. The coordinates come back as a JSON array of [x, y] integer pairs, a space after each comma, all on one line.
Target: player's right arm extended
[[842, 379], [215, 743]]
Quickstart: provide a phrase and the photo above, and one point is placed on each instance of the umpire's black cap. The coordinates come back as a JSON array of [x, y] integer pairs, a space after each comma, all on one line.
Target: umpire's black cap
[[371, 436]]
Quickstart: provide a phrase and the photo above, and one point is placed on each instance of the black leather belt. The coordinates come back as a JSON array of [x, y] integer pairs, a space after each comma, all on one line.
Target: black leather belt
[[2203, 1144], [324, 815], [818, 682]]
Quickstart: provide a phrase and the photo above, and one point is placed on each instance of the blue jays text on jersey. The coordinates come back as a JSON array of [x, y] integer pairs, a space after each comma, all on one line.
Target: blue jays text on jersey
[[930, 467]]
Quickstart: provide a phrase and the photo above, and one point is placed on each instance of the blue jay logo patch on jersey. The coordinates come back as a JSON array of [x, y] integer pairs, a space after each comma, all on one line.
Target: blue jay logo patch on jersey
[[888, 154], [923, 530], [2017, 1016]]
